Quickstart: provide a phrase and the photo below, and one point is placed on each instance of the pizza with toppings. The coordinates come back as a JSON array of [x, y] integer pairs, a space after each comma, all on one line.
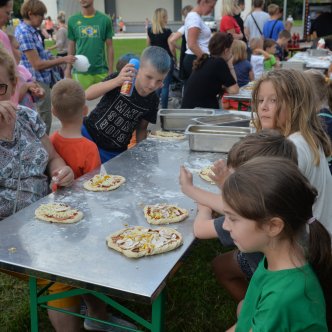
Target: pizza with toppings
[[164, 214], [138, 241], [58, 212], [166, 134], [204, 174], [104, 182]]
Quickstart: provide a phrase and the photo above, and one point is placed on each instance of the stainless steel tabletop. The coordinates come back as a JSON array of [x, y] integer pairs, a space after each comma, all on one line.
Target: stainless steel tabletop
[[77, 253]]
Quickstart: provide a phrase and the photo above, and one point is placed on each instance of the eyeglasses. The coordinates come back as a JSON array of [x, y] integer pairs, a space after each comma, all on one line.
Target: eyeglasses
[[3, 89]]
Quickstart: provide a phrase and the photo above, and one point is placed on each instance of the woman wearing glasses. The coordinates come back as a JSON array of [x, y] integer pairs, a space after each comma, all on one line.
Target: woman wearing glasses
[[25, 149]]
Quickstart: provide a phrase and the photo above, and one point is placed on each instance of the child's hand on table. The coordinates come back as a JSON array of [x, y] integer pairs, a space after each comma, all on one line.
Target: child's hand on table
[[185, 179], [221, 172]]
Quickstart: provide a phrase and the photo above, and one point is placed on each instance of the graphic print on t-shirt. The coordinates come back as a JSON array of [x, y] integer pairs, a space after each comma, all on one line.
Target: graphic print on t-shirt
[[89, 31], [118, 122]]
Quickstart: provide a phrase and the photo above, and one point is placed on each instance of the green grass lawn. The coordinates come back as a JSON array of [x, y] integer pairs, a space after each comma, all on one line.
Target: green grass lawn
[[121, 47], [195, 302], [297, 23]]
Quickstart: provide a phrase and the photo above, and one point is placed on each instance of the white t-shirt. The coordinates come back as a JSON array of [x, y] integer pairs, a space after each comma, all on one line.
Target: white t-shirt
[[260, 17], [319, 176], [181, 30], [193, 20], [257, 63]]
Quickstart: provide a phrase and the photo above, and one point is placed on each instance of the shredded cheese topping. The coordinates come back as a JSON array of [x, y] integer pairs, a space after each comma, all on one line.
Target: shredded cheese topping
[[57, 210], [105, 180], [163, 211], [141, 239]]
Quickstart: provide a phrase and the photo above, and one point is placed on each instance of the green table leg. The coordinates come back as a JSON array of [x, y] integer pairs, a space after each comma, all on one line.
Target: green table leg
[[158, 310], [33, 304]]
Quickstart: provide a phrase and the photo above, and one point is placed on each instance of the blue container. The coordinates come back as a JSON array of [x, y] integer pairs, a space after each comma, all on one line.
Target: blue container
[[128, 86]]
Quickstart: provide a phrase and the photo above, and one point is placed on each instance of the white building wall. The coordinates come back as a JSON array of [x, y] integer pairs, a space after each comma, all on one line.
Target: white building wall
[[138, 10], [52, 8]]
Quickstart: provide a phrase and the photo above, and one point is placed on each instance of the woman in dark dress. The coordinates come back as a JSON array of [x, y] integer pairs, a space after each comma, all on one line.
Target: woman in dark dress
[[158, 35], [212, 75]]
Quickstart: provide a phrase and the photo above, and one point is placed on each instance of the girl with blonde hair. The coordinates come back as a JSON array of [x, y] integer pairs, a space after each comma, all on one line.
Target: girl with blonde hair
[[244, 73], [228, 22], [284, 100], [157, 35]]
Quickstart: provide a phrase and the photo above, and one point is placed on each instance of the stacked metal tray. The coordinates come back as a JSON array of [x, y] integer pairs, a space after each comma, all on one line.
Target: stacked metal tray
[[214, 138], [179, 119], [238, 119]]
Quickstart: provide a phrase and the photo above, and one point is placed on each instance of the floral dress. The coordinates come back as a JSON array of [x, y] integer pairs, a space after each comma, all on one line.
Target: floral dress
[[22, 164]]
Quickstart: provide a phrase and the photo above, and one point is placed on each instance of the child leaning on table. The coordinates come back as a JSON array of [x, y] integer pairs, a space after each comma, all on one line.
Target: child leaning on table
[[81, 154], [265, 143], [68, 105], [243, 71], [111, 124], [268, 208], [281, 47]]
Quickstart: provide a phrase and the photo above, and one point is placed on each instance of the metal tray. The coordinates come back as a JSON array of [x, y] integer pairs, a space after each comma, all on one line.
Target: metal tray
[[318, 52], [214, 138], [179, 119], [235, 120]]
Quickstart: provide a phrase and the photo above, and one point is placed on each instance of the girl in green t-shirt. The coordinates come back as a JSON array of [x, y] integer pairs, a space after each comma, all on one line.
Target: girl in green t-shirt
[[268, 208]]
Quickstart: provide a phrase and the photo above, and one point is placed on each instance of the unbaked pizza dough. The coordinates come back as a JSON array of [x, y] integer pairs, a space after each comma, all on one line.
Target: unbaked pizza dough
[[58, 212], [166, 135], [138, 241], [204, 174], [104, 182]]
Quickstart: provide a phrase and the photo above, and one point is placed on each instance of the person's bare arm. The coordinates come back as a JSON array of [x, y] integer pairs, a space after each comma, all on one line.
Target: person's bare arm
[[204, 224], [247, 32], [193, 34], [97, 90], [233, 89], [172, 43], [172, 40], [59, 172], [201, 196], [110, 55], [71, 51], [141, 130], [234, 34], [264, 53], [38, 64], [251, 75]]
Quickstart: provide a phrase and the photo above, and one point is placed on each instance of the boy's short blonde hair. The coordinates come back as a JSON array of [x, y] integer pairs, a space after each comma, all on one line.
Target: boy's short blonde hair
[[68, 99], [256, 43], [273, 9]]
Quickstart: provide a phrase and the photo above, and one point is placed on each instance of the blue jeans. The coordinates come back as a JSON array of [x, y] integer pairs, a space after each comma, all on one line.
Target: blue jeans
[[104, 155], [164, 91]]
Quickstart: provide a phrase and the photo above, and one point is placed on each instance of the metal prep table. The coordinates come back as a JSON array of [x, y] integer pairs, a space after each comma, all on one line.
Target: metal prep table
[[77, 254]]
